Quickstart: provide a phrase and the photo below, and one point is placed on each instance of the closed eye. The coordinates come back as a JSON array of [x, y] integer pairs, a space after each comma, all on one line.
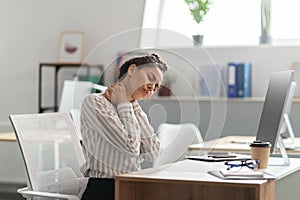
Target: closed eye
[[151, 77]]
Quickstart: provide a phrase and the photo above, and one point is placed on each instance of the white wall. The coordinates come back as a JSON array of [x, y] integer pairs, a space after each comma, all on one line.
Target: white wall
[[30, 35], [30, 32]]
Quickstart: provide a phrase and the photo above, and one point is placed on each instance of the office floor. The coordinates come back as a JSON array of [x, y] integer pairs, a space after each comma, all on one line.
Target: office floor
[[10, 196], [9, 191]]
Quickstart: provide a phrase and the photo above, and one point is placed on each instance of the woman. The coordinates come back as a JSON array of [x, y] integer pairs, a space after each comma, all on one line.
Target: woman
[[117, 135]]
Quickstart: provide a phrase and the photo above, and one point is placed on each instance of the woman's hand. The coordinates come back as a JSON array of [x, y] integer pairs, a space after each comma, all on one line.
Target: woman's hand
[[118, 94]]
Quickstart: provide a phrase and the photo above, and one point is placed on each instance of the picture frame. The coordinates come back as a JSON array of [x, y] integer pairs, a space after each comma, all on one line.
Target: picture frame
[[71, 47]]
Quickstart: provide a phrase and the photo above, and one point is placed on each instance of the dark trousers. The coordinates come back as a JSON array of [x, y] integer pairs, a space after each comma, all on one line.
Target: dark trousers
[[99, 188]]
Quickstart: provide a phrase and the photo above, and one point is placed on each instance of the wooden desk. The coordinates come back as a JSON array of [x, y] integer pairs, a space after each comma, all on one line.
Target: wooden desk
[[189, 180], [236, 144], [8, 137]]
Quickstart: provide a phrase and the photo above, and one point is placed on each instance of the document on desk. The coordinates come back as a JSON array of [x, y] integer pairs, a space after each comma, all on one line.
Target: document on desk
[[219, 174], [243, 171], [220, 157]]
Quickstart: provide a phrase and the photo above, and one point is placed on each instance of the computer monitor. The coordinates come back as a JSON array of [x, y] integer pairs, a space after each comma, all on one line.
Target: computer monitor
[[272, 117]]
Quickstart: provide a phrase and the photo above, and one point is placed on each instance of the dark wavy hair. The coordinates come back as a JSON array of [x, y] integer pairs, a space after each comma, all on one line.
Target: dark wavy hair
[[152, 59]]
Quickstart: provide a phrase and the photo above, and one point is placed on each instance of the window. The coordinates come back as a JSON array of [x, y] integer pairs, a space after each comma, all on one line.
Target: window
[[223, 25], [284, 21], [229, 22]]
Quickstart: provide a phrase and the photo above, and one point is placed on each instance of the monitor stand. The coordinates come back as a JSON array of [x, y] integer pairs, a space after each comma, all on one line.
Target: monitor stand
[[284, 155], [291, 145], [289, 127]]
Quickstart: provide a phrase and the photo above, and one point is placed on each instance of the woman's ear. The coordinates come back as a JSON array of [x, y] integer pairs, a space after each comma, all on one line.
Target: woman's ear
[[131, 68]]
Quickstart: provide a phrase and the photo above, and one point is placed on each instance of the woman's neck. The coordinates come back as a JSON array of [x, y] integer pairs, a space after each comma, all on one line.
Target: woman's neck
[[109, 91]]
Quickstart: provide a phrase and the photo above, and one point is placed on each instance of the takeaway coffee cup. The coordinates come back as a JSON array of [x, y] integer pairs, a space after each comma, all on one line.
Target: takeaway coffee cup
[[260, 150]]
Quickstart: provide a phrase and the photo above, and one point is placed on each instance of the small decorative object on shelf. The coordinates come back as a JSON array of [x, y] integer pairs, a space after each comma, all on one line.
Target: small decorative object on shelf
[[164, 91], [165, 88], [198, 9]]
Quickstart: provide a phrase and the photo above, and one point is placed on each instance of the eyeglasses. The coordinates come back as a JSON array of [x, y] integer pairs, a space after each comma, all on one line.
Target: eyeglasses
[[251, 164]]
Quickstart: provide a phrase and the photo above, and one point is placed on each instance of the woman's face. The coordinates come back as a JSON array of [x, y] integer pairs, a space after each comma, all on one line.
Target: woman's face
[[144, 81]]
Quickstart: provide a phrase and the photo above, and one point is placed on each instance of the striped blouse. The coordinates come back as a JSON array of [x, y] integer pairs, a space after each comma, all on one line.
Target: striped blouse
[[115, 139]]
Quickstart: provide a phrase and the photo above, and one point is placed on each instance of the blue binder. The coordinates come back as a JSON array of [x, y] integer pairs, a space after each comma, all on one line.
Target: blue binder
[[232, 79], [244, 80]]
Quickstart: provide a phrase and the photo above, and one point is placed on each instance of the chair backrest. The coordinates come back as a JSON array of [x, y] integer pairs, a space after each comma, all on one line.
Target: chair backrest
[[73, 93], [175, 139], [75, 114], [72, 96], [51, 151]]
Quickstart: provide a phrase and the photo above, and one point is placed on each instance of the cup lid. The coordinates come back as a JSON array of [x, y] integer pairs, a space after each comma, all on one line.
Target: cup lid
[[258, 143]]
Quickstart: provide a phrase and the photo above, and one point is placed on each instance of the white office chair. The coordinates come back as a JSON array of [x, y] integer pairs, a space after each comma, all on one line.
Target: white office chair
[[72, 96], [74, 92], [175, 139], [52, 155]]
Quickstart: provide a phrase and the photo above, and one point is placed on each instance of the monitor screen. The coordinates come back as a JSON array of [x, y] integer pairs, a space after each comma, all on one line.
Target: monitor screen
[[276, 102]]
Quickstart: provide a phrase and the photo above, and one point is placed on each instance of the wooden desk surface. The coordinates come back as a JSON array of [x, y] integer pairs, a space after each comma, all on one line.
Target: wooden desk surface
[[8, 137], [188, 180], [237, 144]]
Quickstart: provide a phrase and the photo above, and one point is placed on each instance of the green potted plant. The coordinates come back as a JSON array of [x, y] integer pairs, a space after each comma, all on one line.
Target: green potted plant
[[198, 9]]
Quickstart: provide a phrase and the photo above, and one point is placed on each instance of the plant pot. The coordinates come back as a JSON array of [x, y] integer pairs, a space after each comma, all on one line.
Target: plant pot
[[265, 39], [198, 39]]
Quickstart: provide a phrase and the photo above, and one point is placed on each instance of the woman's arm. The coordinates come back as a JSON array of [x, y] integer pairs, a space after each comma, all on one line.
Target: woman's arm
[[150, 144], [119, 128]]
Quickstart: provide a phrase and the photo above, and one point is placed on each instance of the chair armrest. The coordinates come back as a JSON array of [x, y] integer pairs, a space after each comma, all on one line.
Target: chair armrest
[[26, 193]]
